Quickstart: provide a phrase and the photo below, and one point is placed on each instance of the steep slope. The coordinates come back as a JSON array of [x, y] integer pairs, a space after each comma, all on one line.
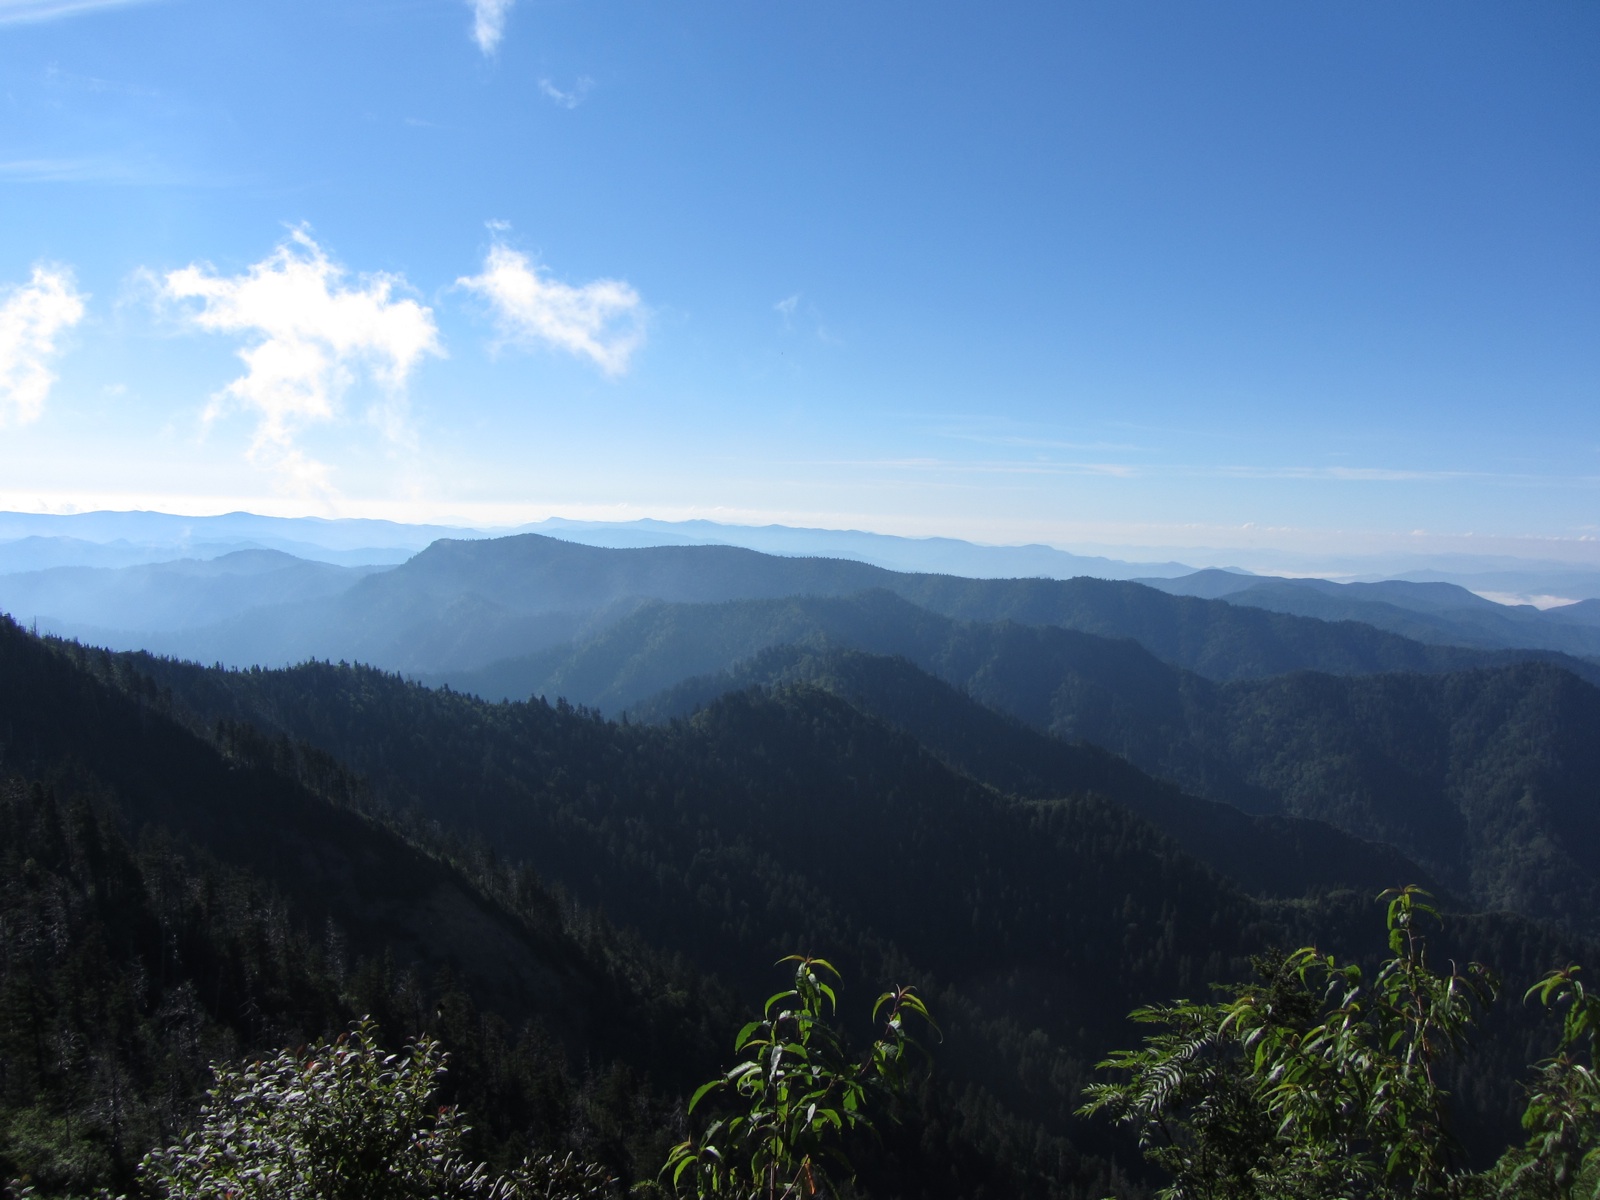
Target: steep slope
[[1487, 778], [168, 899], [1490, 777], [793, 819], [1265, 855], [660, 645], [800, 784], [387, 896]]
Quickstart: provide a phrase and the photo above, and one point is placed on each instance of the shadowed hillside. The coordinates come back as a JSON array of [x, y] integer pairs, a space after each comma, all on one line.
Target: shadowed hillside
[[1485, 777], [770, 821], [1265, 855], [168, 899]]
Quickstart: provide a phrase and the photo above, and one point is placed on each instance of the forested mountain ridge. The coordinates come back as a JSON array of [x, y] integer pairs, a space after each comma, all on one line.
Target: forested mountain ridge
[[728, 893], [1490, 779], [460, 606], [517, 765], [1501, 769], [769, 822], [552, 783], [1487, 778], [657, 644], [1212, 638], [167, 899], [1278, 856]]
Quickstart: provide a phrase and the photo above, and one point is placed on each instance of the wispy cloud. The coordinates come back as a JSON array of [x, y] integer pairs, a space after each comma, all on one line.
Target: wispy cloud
[[33, 316], [1126, 470], [489, 22], [68, 170], [571, 99], [602, 321], [786, 307], [103, 169], [1034, 443], [94, 84], [1344, 474], [310, 333], [16, 11], [989, 467]]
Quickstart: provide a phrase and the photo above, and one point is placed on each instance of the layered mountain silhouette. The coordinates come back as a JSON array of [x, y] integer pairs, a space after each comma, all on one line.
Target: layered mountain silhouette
[[1440, 613], [1489, 778], [463, 606], [1469, 762], [102, 604]]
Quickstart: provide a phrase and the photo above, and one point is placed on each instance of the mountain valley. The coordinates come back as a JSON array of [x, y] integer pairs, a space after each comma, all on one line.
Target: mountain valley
[[1041, 802]]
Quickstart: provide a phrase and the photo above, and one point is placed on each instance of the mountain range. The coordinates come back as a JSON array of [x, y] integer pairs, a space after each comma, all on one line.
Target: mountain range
[[565, 804], [1436, 612], [36, 541], [1034, 890], [461, 606]]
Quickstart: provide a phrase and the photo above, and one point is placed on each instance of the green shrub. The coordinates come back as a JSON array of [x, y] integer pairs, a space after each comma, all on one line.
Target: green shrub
[[345, 1121], [1318, 1083]]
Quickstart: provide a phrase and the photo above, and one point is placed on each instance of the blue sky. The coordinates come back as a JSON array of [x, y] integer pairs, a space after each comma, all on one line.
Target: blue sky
[[1323, 276]]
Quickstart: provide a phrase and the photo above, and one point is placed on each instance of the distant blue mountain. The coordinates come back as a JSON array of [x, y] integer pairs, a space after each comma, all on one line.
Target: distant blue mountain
[[169, 598], [462, 605], [932, 555], [37, 541], [31, 541], [1434, 612], [34, 541]]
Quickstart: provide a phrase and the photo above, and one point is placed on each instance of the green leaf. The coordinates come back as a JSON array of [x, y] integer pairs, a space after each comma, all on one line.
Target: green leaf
[[703, 1090]]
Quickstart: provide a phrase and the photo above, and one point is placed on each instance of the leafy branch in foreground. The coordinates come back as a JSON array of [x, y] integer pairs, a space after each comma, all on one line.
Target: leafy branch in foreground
[[795, 1093], [344, 1121], [1312, 1082], [1561, 1157], [1316, 1083]]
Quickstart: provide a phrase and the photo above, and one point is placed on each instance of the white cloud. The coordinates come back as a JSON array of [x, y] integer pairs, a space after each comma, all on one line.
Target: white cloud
[[310, 336], [32, 316], [568, 100], [600, 321], [489, 22], [787, 305]]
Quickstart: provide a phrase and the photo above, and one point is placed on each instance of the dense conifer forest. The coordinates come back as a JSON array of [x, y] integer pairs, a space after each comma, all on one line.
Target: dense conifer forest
[[204, 864]]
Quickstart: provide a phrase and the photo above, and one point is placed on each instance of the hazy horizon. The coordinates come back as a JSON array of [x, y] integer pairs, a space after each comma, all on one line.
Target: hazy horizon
[[1319, 281], [169, 536]]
